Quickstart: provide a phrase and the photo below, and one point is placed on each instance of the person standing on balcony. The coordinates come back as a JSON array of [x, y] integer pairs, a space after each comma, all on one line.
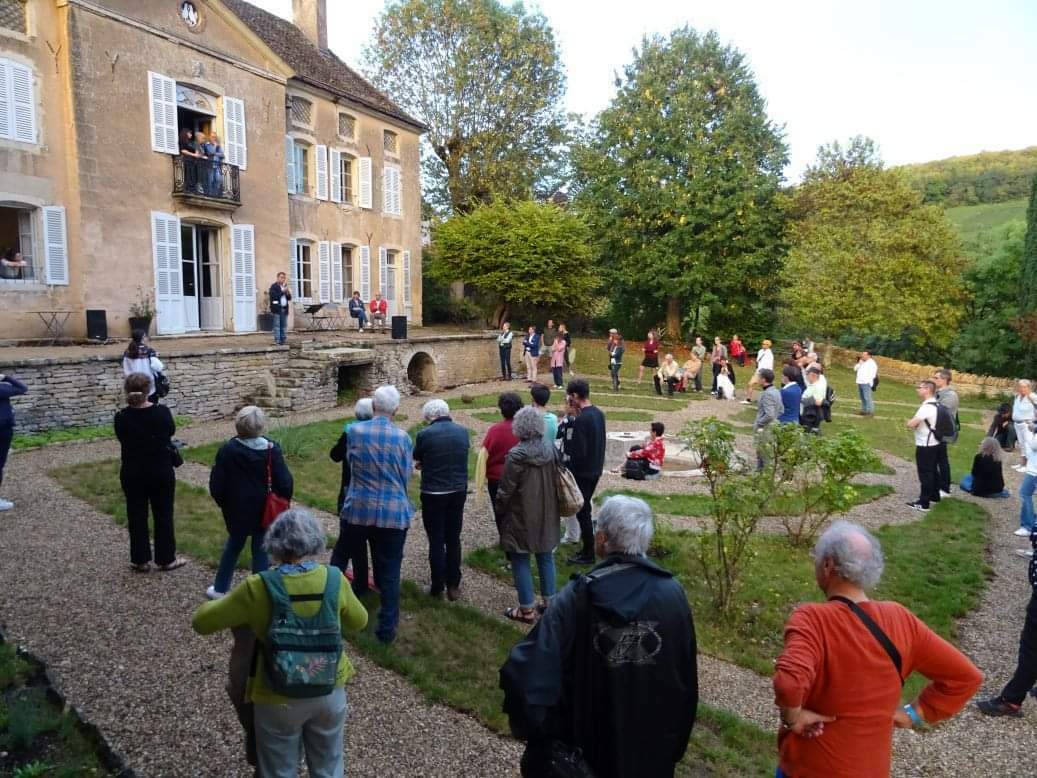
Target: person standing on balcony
[[280, 296], [379, 311], [189, 148], [214, 151]]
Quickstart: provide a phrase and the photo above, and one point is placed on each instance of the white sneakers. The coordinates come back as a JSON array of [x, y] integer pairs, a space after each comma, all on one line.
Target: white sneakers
[[1022, 532], [944, 494], [1019, 468], [5, 505], [1025, 553], [212, 594]]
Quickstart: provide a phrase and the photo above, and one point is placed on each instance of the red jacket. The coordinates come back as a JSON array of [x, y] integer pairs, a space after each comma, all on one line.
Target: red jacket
[[379, 306]]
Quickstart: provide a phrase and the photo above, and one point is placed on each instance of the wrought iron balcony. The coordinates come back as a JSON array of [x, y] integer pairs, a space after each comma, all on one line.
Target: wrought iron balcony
[[206, 183]]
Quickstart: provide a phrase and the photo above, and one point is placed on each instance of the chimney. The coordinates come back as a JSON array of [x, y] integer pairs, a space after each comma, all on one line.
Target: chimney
[[311, 16]]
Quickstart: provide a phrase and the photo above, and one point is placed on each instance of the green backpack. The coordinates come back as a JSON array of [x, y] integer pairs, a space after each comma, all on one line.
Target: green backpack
[[302, 654]]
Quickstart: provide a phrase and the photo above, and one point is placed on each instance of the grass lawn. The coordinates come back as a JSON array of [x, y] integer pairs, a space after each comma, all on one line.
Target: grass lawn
[[606, 401], [24, 441], [493, 416], [974, 219], [936, 567]]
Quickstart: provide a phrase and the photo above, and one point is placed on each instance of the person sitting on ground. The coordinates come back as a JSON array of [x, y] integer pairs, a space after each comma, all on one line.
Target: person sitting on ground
[[725, 381], [986, 479], [527, 503], [791, 395], [645, 463], [541, 396], [293, 712], [358, 311], [1002, 429], [669, 372], [630, 705], [140, 357], [496, 444], [837, 684], [379, 311]]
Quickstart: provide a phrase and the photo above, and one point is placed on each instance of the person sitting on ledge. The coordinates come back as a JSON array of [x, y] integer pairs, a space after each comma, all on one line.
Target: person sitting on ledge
[[645, 463], [668, 372], [986, 479], [357, 310], [379, 310]]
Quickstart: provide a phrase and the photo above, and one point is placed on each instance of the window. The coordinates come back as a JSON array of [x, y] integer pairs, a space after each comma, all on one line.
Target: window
[[346, 126], [301, 111], [302, 271], [17, 104], [343, 168], [392, 191], [347, 271], [391, 142], [12, 15], [297, 158], [18, 244]]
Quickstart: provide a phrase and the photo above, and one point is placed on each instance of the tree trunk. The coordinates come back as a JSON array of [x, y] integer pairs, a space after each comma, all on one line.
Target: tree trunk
[[500, 314], [457, 290], [673, 318]]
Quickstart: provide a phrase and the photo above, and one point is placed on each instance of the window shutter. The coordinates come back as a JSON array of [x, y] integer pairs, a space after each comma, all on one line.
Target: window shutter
[[6, 114], [234, 132], [366, 197], [387, 206], [335, 163], [23, 107], [162, 96], [365, 272], [322, 172], [55, 245], [383, 271], [336, 272], [324, 261], [406, 285], [169, 298], [289, 161], [243, 250], [293, 271], [398, 190]]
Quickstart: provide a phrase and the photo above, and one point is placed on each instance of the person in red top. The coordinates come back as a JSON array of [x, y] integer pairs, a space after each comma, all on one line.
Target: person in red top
[[737, 350], [498, 442], [652, 453], [651, 359], [838, 686], [379, 310]]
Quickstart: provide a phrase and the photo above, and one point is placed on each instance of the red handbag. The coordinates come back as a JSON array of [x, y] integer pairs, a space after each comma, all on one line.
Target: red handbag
[[275, 504]]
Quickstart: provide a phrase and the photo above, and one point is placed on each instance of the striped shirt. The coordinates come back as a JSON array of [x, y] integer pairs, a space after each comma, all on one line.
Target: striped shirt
[[381, 462]]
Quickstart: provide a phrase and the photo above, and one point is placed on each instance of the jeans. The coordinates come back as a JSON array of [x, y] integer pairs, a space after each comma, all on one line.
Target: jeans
[[867, 405], [943, 468], [158, 490], [387, 556], [442, 516], [614, 368], [587, 487], [6, 435], [280, 327], [1026, 670], [351, 546], [361, 319], [523, 576], [229, 558], [925, 461], [1026, 490], [505, 362], [557, 373], [670, 384], [316, 722]]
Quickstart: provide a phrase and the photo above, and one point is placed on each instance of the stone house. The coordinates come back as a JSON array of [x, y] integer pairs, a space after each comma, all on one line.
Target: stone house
[[319, 176]]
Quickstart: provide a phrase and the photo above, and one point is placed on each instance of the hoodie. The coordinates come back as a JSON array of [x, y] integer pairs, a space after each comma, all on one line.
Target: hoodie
[[527, 498]]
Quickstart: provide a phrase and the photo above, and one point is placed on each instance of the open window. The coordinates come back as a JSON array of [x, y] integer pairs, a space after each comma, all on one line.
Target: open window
[[297, 156], [18, 245], [344, 172], [302, 270]]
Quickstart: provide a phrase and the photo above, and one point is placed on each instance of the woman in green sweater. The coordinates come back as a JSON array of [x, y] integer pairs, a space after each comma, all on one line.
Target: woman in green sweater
[[282, 722]]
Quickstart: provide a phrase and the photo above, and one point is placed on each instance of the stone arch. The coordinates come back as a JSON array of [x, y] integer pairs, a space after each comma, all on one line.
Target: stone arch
[[421, 371]]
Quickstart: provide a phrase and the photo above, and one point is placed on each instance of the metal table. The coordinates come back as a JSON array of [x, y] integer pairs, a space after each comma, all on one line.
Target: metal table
[[55, 322]]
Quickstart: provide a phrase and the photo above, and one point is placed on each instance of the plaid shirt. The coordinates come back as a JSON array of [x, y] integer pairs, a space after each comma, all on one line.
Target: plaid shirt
[[380, 459]]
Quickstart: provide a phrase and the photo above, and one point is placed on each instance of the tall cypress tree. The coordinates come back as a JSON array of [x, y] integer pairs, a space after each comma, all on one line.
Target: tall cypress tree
[[1028, 284]]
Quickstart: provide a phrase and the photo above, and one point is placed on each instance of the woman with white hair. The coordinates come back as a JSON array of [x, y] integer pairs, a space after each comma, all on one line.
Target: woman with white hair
[[986, 478], [244, 467], [1024, 412], [527, 503], [300, 597], [363, 411]]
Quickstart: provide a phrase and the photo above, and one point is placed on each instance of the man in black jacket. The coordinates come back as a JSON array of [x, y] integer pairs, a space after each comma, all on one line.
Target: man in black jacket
[[280, 296], [584, 448], [611, 668]]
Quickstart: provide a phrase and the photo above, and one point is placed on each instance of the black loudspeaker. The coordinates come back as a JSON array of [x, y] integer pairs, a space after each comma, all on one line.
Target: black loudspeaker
[[97, 325], [399, 327]]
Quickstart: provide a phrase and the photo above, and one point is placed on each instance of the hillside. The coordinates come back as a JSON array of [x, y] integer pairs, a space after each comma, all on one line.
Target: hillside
[[988, 177], [974, 220]]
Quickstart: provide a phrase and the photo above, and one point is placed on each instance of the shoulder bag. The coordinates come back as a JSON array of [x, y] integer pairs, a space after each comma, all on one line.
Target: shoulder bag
[[275, 504], [876, 632], [570, 499]]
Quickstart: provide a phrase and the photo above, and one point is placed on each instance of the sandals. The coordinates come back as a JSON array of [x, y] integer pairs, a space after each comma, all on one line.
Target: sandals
[[178, 562], [522, 615], [143, 567]]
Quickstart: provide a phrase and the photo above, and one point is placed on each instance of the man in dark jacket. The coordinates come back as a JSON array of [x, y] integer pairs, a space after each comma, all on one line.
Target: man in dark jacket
[[441, 453], [280, 296], [611, 668], [585, 457]]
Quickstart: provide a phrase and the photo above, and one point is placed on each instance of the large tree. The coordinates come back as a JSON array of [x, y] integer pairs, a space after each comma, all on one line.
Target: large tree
[[487, 79], [866, 256], [679, 178], [1027, 322], [524, 253]]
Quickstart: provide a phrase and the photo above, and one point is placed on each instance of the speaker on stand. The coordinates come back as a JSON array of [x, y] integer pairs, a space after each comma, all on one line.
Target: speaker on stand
[[399, 327]]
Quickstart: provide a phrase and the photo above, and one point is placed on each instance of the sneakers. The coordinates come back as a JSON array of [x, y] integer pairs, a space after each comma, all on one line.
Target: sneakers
[[916, 505], [1022, 532], [5, 505], [747, 402], [212, 594], [580, 559], [995, 706], [1025, 553], [944, 494]]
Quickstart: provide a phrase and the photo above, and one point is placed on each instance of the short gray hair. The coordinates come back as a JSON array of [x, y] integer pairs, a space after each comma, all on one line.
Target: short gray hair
[[1024, 382], [386, 399], [989, 447], [528, 424], [435, 409], [295, 534], [250, 422], [364, 409], [858, 562], [627, 524]]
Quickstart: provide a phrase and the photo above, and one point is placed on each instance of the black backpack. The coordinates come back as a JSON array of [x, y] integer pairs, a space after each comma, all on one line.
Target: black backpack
[[945, 428]]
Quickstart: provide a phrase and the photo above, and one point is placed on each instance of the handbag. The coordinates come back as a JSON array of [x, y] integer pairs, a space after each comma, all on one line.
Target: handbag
[[275, 504], [570, 499], [174, 454]]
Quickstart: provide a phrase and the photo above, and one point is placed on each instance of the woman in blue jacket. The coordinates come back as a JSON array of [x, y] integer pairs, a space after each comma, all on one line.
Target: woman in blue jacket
[[9, 387]]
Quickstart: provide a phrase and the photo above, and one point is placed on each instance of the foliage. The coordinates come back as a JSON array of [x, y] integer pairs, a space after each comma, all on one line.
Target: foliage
[[979, 224], [517, 253], [29, 440], [834, 162], [866, 255], [438, 307], [487, 80], [1026, 325], [143, 307], [679, 178], [988, 177]]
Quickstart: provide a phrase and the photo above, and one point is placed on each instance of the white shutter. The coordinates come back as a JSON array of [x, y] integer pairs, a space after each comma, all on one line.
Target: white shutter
[[336, 272], [234, 142], [398, 191], [383, 272], [169, 298], [243, 252], [407, 307], [23, 106], [55, 245], [365, 272], [324, 270], [289, 161], [293, 273], [335, 163], [366, 196], [387, 206], [322, 172], [6, 114], [162, 96]]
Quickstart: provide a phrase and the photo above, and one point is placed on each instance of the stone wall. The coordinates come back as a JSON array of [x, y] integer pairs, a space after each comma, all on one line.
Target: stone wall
[[459, 359]]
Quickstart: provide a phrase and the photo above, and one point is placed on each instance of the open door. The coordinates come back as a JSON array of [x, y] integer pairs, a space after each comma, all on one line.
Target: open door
[[169, 297]]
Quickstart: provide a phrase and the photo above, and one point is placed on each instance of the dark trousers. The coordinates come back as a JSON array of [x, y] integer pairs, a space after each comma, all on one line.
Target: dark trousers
[[557, 373], [6, 434], [587, 487], [925, 461], [670, 384], [387, 557], [716, 374], [442, 516], [158, 490], [352, 547], [698, 379], [1026, 671], [491, 487], [505, 362], [614, 372], [943, 468]]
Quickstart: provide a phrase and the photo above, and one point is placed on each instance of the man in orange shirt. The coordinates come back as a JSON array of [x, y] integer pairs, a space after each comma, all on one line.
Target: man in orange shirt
[[838, 681]]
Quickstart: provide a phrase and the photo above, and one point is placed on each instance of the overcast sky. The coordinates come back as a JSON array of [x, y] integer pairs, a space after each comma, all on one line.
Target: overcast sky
[[926, 79]]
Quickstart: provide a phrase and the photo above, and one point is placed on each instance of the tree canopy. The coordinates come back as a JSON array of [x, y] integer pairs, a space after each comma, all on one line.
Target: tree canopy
[[489, 83], [678, 180], [988, 177]]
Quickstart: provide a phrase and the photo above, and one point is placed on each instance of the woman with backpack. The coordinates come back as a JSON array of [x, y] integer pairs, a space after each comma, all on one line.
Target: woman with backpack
[[140, 357], [299, 611]]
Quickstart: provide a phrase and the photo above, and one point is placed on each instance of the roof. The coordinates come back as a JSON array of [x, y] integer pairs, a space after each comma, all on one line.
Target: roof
[[319, 68]]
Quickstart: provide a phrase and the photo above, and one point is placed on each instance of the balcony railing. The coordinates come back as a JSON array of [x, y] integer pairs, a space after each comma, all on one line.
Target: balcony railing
[[205, 182]]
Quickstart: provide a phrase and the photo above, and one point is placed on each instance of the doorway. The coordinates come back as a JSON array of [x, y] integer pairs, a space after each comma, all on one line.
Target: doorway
[[200, 265], [389, 293]]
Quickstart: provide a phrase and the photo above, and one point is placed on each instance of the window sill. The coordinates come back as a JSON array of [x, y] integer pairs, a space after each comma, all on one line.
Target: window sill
[[15, 285], [305, 198]]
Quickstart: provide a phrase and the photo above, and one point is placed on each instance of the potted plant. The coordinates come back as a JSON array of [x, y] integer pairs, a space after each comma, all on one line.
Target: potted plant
[[266, 319], [142, 311]]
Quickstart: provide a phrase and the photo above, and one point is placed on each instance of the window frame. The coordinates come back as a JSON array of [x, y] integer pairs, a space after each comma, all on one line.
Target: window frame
[[394, 152], [356, 125], [304, 261], [36, 257], [347, 270], [302, 171]]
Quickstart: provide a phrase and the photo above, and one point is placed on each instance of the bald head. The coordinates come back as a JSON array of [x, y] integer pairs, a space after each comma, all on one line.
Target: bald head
[[854, 553]]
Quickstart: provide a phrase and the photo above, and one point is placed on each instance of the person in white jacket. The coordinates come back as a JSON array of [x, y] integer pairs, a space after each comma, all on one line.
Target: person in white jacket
[[867, 371], [764, 361], [141, 358]]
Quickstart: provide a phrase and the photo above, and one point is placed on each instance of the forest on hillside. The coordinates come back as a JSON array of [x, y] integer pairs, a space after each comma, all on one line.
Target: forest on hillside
[[988, 177]]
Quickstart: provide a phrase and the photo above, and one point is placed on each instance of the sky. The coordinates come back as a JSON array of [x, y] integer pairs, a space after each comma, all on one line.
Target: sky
[[924, 79]]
